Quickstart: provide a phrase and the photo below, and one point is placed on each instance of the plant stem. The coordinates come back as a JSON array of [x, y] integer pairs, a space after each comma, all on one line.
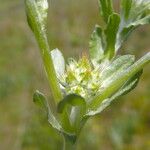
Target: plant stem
[[68, 145], [38, 25], [49, 68]]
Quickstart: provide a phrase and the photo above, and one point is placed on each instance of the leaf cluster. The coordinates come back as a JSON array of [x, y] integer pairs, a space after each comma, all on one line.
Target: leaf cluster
[[119, 74]]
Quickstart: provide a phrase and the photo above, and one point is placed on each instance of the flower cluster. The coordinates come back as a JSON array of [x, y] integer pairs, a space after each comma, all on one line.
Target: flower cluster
[[81, 78]]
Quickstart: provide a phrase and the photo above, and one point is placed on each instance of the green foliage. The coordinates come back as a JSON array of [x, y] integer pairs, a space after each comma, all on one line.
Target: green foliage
[[58, 61], [106, 9], [112, 85], [119, 27], [96, 45], [111, 35], [118, 75], [41, 101], [72, 108], [133, 14]]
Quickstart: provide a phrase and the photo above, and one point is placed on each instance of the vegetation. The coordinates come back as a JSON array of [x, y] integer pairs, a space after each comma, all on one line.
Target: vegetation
[[87, 87], [26, 76]]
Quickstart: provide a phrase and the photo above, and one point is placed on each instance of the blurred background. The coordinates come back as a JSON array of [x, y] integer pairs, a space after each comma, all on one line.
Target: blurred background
[[125, 125]]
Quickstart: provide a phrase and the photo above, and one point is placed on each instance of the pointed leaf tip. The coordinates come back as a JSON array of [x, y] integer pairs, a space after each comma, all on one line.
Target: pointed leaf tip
[[39, 99], [96, 45], [133, 14], [58, 61], [37, 11]]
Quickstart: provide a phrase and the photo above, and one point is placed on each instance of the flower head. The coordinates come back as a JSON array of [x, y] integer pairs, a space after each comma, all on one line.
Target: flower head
[[81, 77]]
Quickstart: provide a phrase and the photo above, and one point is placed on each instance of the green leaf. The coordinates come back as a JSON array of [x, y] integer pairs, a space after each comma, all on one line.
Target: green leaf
[[96, 45], [41, 101], [133, 14], [116, 66], [143, 21], [118, 81], [72, 99], [106, 8], [111, 35], [133, 10], [58, 61], [126, 8], [72, 109], [131, 83], [37, 11], [126, 88]]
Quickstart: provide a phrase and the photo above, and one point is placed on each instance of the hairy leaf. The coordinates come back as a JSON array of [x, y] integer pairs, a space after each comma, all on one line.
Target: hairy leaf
[[126, 88], [133, 14], [106, 9], [37, 11], [72, 108], [111, 35], [118, 81], [96, 45], [41, 101], [131, 83], [116, 66], [58, 61]]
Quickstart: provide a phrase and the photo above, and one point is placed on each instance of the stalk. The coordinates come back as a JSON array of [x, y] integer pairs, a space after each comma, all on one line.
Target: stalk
[[68, 145], [36, 16], [49, 68]]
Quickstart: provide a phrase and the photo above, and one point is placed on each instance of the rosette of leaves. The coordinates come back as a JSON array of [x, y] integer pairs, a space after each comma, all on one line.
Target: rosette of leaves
[[85, 87]]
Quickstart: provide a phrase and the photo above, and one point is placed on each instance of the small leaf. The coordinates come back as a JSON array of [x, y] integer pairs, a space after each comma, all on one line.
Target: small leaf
[[118, 81], [119, 64], [96, 47], [41, 101], [72, 109], [72, 99], [126, 88], [131, 83], [106, 8], [58, 61], [133, 14], [143, 21], [37, 11], [111, 35], [133, 10]]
